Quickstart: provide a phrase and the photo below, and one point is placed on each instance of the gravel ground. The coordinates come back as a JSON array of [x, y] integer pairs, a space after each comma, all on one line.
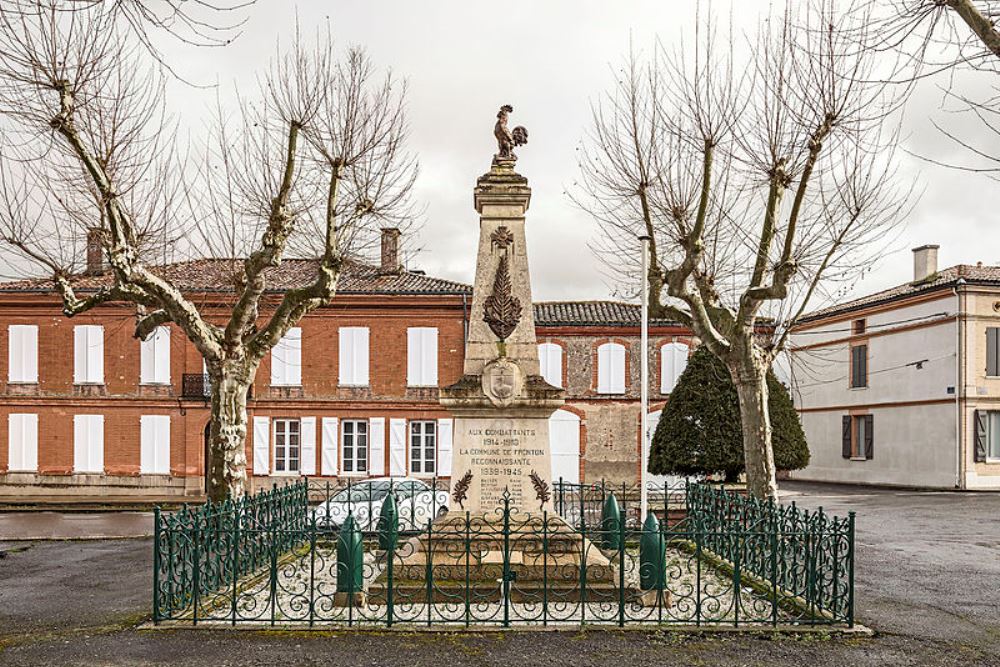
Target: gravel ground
[[928, 582]]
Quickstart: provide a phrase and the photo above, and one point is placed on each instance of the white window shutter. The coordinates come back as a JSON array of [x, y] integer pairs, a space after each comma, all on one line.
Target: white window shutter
[[154, 444], [617, 365], [444, 436], [22, 353], [79, 355], [397, 447], [147, 359], [376, 446], [307, 449], [261, 446], [95, 354], [611, 368], [162, 355], [564, 443], [147, 444], [414, 365], [286, 359], [361, 356], [96, 440], [329, 446], [673, 361], [550, 361], [429, 357], [680, 360], [88, 443], [22, 442], [353, 366]]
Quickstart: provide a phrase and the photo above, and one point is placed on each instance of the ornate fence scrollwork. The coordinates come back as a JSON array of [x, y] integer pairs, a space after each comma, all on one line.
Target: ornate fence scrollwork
[[702, 556]]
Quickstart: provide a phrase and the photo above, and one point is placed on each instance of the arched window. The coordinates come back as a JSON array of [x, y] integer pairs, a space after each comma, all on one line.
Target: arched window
[[673, 361], [611, 368], [550, 361]]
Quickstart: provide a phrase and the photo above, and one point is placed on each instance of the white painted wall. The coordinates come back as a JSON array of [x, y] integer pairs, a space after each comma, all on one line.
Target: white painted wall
[[914, 444]]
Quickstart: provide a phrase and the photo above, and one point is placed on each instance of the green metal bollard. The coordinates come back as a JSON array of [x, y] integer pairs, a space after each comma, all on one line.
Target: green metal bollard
[[611, 517], [388, 524], [652, 556], [350, 558]]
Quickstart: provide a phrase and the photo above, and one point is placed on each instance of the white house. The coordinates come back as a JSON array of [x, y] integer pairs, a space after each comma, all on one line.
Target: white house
[[902, 387]]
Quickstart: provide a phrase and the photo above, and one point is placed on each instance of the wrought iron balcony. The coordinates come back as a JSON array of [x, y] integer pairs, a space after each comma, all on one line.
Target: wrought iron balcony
[[197, 385]]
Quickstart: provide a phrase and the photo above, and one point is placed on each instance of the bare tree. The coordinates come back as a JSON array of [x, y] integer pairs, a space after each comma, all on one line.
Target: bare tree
[[950, 38], [763, 177], [318, 154]]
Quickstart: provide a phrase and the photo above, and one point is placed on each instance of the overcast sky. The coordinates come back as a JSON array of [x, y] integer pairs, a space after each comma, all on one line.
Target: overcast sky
[[549, 60]]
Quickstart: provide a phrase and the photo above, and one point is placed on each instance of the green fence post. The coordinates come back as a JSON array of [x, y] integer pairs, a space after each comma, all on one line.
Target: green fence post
[[545, 568], [196, 580], [350, 559], [156, 566], [611, 517], [850, 566], [652, 556], [311, 527], [468, 566], [429, 570], [388, 523], [236, 559], [621, 571], [505, 584], [390, 555]]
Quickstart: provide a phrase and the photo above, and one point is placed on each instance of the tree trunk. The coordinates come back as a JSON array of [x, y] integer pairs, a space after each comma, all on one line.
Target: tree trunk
[[750, 378], [227, 461]]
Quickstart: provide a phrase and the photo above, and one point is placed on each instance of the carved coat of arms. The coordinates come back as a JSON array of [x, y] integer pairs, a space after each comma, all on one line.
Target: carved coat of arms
[[502, 381]]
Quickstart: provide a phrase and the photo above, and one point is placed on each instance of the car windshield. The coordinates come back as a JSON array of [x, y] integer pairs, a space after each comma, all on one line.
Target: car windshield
[[409, 488]]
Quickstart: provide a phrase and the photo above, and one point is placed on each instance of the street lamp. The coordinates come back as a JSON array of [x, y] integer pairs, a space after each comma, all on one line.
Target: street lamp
[[644, 387]]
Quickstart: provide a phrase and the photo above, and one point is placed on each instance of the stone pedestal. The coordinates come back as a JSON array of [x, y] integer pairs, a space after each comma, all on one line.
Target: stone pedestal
[[501, 404]]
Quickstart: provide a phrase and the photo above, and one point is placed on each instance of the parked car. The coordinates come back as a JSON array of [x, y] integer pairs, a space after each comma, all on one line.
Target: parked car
[[416, 503]]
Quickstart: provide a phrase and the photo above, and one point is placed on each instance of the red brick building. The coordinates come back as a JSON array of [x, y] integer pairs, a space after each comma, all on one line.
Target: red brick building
[[87, 410]]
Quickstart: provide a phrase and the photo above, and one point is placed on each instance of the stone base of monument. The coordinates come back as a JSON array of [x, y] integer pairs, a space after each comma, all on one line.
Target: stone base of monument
[[551, 561], [358, 599]]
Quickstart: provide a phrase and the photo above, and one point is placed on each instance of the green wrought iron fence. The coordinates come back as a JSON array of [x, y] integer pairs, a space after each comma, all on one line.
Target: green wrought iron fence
[[198, 551], [731, 561]]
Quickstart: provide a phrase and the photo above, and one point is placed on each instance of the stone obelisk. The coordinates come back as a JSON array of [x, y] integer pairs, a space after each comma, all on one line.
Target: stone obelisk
[[502, 404]]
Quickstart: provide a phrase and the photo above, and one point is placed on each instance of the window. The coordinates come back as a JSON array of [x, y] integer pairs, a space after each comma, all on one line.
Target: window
[[993, 351], [550, 363], [354, 356], [858, 327], [673, 361], [858, 439], [423, 445], [22, 443], [154, 444], [987, 436], [88, 443], [611, 369], [287, 443], [22, 353], [286, 360], [88, 365], [422, 357], [859, 366], [354, 445], [155, 357]]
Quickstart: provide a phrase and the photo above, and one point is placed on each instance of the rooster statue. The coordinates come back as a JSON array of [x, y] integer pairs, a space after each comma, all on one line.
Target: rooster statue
[[507, 139]]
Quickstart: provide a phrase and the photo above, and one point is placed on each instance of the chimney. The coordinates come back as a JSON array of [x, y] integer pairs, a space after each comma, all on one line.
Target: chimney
[[924, 262], [390, 250], [95, 252]]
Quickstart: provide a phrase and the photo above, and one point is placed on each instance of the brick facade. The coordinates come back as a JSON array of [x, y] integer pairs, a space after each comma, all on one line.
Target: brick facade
[[609, 443]]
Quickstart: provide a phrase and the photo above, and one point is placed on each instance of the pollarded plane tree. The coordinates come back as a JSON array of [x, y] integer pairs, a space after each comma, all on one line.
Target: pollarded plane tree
[[762, 171], [315, 162]]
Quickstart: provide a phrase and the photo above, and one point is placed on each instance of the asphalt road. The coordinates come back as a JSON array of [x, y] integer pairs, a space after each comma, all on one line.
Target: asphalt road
[[928, 581]]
